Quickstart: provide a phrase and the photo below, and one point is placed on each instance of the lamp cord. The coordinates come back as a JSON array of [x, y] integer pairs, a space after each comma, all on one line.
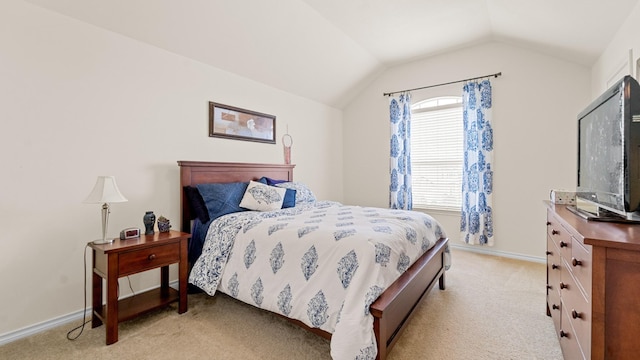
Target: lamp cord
[[84, 313], [84, 308]]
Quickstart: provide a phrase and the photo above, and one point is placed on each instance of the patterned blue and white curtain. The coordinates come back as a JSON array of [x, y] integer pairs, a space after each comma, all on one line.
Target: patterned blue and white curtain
[[400, 162], [476, 223]]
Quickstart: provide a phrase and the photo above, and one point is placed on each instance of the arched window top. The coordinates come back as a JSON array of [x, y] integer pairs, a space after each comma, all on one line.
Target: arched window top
[[437, 103]]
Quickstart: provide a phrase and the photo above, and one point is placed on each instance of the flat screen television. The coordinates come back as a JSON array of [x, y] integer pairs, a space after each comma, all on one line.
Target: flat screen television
[[609, 154]]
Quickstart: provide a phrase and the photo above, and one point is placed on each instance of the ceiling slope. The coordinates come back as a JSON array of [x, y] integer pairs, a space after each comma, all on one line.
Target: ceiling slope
[[288, 46], [325, 50]]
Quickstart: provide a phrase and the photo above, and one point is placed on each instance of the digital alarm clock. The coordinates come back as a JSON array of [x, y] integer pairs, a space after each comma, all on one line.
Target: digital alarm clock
[[129, 233]]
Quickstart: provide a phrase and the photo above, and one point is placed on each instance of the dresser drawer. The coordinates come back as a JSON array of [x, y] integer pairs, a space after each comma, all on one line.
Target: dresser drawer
[[554, 266], [568, 342], [560, 236], [146, 259], [580, 263], [555, 308], [578, 310]]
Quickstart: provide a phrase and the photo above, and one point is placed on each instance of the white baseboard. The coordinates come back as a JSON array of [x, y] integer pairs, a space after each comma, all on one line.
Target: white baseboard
[[55, 322], [43, 326], [485, 251]]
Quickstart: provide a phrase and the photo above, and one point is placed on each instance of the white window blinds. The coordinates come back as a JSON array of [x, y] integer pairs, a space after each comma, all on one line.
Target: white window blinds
[[436, 157]]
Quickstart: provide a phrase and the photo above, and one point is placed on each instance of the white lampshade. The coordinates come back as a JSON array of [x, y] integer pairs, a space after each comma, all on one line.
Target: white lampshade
[[105, 191]]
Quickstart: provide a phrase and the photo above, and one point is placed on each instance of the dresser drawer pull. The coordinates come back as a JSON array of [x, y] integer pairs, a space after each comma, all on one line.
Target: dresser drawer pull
[[555, 307], [151, 257], [549, 253], [549, 287], [575, 262], [564, 334], [548, 223], [564, 286], [563, 244], [554, 266], [555, 232], [575, 314]]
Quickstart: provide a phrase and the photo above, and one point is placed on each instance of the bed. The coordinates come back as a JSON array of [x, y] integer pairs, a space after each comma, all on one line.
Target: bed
[[394, 306]]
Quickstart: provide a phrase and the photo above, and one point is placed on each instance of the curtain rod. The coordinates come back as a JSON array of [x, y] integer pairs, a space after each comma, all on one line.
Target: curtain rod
[[448, 83]]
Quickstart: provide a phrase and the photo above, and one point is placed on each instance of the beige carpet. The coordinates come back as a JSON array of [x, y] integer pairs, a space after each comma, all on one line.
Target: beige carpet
[[493, 308]]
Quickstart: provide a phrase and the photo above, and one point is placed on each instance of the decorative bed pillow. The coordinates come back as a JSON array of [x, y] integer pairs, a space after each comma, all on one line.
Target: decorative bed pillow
[[261, 197], [303, 193], [289, 197], [222, 198]]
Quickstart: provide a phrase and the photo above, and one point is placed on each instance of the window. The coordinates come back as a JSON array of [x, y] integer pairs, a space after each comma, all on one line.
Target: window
[[436, 153]]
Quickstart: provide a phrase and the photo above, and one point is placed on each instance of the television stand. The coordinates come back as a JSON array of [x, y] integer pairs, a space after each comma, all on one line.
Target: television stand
[[604, 216]]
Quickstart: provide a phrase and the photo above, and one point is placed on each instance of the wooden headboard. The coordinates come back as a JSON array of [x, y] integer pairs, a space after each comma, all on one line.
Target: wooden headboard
[[201, 172]]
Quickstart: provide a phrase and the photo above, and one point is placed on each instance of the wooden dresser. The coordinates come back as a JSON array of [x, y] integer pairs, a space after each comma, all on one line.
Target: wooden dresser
[[593, 285]]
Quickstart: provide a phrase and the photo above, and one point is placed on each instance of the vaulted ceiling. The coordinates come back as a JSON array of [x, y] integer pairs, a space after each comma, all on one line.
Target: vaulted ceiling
[[325, 49]]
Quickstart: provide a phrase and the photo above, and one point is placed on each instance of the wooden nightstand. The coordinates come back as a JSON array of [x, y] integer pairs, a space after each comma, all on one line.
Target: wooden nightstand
[[131, 256]]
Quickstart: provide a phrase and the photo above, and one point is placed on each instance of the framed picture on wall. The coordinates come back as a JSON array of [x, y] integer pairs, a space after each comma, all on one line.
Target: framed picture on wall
[[234, 123]]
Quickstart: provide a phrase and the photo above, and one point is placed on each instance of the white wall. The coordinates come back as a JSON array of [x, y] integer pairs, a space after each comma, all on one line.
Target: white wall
[[614, 62], [77, 101], [536, 101]]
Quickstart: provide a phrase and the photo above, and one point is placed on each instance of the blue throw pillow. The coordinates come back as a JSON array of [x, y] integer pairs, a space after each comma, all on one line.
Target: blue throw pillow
[[289, 196], [303, 193], [223, 198], [289, 199]]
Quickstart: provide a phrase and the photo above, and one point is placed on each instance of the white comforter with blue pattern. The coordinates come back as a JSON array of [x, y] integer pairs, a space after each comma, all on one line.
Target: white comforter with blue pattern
[[321, 263]]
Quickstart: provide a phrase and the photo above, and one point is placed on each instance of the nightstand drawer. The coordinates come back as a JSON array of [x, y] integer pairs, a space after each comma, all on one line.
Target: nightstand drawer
[[140, 260]]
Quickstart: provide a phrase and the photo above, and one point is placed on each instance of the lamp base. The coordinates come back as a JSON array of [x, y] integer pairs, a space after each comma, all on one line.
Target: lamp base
[[105, 241]]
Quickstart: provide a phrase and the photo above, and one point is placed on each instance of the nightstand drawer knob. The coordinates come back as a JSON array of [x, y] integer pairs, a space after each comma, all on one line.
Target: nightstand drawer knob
[[564, 334], [151, 257], [555, 307], [555, 232], [575, 314], [563, 244], [554, 266], [575, 262]]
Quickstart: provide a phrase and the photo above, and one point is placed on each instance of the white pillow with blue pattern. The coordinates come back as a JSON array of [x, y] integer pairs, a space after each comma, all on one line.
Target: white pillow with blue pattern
[[262, 197], [304, 195]]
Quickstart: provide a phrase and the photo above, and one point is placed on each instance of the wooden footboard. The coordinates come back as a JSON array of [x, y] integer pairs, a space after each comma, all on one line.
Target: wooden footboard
[[391, 310]]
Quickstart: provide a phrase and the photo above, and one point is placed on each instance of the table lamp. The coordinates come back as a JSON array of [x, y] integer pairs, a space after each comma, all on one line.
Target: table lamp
[[105, 191]]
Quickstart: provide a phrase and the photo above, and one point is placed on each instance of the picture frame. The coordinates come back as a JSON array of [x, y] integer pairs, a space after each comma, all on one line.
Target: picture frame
[[231, 122]]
